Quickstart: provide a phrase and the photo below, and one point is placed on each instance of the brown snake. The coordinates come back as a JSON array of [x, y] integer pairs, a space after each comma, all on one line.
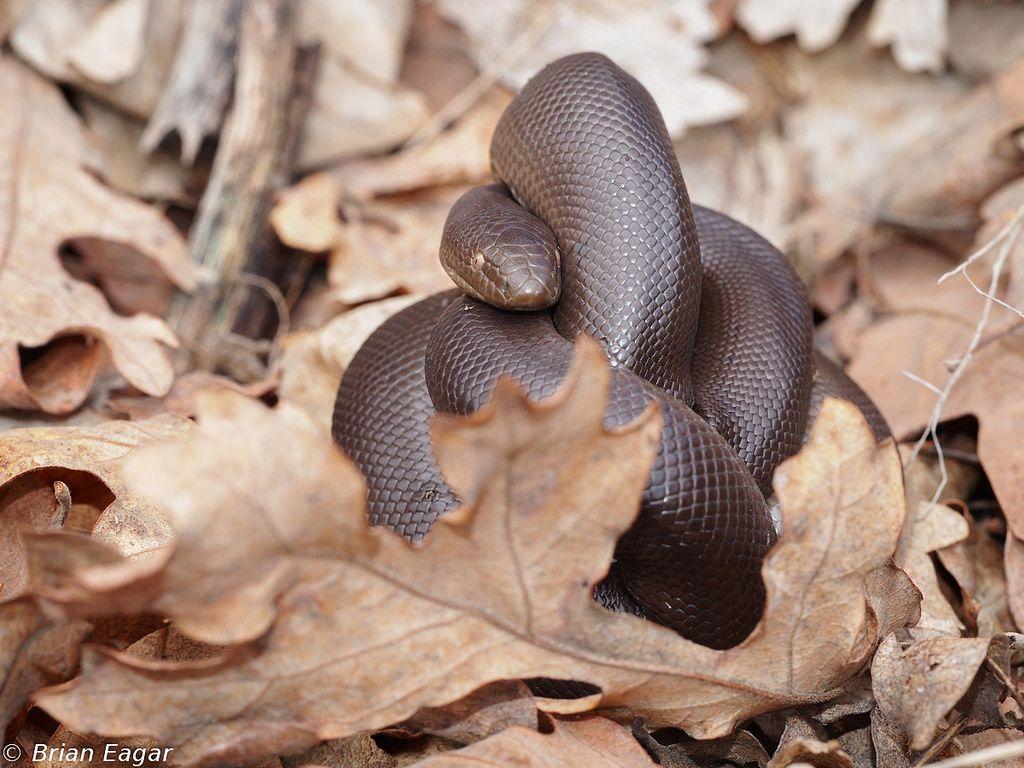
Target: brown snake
[[694, 310]]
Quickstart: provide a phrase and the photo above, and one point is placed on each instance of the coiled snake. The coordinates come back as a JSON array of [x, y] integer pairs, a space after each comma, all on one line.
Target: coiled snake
[[693, 309]]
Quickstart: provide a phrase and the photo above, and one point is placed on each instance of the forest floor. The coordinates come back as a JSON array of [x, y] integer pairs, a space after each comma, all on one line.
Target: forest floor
[[207, 209]]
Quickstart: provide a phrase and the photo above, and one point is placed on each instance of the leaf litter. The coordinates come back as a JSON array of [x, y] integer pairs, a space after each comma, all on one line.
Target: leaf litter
[[186, 566]]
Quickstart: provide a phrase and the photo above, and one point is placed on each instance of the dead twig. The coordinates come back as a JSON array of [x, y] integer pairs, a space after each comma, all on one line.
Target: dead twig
[[986, 756], [231, 230], [281, 280], [194, 101], [941, 743], [1007, 239]]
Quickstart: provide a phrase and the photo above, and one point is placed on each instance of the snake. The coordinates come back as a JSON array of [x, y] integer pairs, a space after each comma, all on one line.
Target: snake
[[588, 229]]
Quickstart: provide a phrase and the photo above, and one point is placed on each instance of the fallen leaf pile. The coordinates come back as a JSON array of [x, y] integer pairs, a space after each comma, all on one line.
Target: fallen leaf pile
[[186, 573]]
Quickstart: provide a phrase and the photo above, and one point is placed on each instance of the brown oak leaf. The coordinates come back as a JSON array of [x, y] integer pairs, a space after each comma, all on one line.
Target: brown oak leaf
[[48, 320], [931, 527], [916, 686], [87, 459], [389, 246], [459, 155], [592, 741], [977, 565], [342, 628], [35, 650]]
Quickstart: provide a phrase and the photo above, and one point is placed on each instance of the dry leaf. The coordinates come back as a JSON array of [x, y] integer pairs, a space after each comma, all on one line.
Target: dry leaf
[[816, 23], [891, 743], [34, 651], [1014, 560], [111, 48], [481, 714], [811, 752], [994, 699], [313, 362], [977, 566], [929, 528], [985, 39], [359, 751], [151, 176], [10, 14], [102, 41], [345, 607], [131, 283], [460, 155], [904, 277], [29, 506], [740, 748], [359, 107], [32, 459], [661, 44], [354, 114], [921, 344], [51, 198], [48, 29], [181, 400], [858, 745], [305, 215], [993, 737], [885, 146], [390, 246], [999, 211], [51, 29], [918, 685], [915, 29], [436, 62], [163, 643], [755, 178], [369, 35], [934, 330], [592, 741]]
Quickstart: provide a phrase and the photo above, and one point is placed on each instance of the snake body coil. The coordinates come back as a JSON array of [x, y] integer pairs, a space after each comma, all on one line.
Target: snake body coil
[[694, 310]]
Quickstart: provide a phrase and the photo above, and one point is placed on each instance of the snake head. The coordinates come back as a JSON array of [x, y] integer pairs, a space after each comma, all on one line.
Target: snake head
[[500, 253]]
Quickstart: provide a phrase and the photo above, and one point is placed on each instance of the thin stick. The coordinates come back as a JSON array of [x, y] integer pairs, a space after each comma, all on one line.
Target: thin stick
[[1006, 680], [985, 756], [923, 382], [999, 236], [231, 230], [1000, 302], [941, 743]]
